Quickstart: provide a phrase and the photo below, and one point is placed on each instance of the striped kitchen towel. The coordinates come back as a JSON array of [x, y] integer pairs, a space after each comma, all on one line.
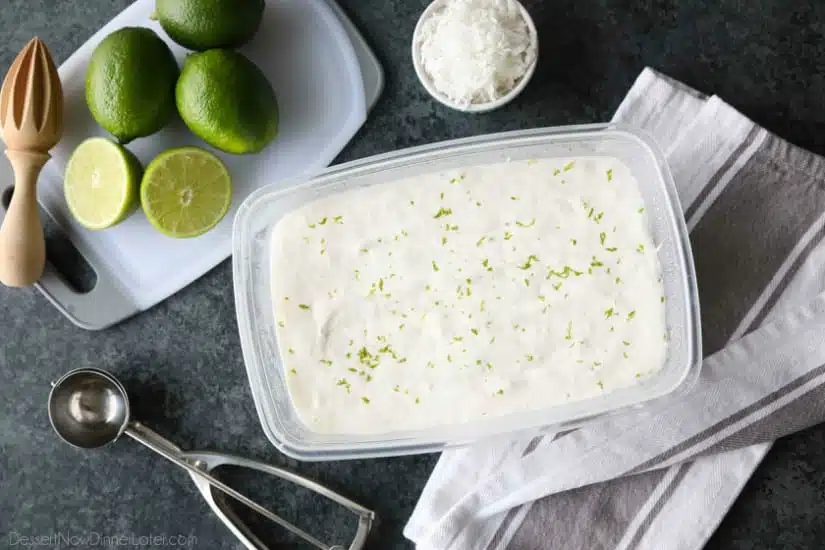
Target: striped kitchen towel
[[663, 477]]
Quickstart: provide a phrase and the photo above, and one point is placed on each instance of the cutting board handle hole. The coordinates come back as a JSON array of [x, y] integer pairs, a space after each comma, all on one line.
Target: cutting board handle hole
[[5, 197], [65, 259], [61, 254]]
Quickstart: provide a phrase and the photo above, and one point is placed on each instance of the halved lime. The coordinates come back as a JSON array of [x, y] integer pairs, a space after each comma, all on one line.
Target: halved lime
[[101, 183], [185, 192]]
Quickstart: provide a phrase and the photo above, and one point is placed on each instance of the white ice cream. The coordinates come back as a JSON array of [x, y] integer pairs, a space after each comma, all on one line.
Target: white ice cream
[[449, 297]]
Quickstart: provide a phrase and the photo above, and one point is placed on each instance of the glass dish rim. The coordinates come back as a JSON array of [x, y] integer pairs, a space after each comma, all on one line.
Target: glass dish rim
[[401, 443]]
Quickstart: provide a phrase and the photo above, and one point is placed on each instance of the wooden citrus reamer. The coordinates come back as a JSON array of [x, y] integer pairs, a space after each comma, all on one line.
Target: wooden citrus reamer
[[31, 123]]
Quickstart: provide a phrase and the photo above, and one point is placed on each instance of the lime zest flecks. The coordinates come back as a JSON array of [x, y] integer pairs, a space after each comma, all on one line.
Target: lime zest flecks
[[568, 335], [574, 242], [564, 273], [365, 400], [528, 263], [602, 238], [303, 306], [507, 235], [443, 212], [556, 171], [631, 315], [569, 166], [435, 266], [338, 219], [514, 198], [609, 173], [600, 384], [530, 224], [640, 248], [367, 359], [640, 210], [609, 312]]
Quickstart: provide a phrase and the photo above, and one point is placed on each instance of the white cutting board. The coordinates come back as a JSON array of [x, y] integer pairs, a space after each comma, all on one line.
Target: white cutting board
[[313, 58]]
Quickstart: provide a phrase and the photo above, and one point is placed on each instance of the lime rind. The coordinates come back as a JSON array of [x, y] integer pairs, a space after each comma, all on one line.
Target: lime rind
[[186, 192], [101, 183]]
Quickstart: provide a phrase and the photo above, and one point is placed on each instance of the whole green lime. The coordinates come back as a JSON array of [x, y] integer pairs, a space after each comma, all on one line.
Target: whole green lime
[[206, 24], [130, 83], [227, 101]]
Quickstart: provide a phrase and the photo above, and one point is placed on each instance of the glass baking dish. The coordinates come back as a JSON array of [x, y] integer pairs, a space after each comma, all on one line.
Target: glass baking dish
[[252, 273]]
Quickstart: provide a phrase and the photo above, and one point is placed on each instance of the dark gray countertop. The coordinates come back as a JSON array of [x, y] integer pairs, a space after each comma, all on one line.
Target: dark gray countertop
[[182, 360]]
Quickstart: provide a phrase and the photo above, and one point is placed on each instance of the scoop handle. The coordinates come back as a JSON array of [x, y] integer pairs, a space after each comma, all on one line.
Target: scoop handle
[[22, 243], [154, 441]]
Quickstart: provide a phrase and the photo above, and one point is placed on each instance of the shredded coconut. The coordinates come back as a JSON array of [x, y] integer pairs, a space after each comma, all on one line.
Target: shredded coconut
[[475, 51]]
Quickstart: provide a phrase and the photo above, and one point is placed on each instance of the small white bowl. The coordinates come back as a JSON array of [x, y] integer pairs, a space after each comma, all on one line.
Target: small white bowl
[[473, 107]]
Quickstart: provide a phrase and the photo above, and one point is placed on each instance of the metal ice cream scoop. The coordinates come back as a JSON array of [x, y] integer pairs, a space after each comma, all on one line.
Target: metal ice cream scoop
[[89, 408]]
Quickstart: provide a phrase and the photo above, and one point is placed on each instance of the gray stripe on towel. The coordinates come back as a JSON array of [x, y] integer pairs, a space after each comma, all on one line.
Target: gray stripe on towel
[[681, 471], [803, 412], [732, 419], [736, 252], [714, 181], [562, 521]]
